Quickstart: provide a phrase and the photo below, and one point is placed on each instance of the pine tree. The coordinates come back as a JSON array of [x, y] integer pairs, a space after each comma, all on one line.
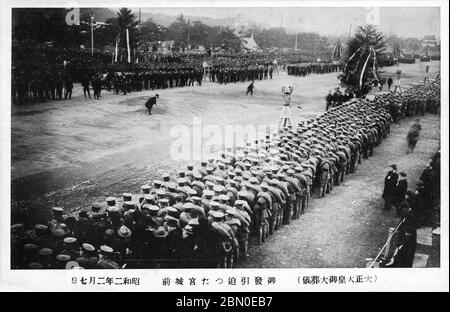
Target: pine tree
[[361, 60]]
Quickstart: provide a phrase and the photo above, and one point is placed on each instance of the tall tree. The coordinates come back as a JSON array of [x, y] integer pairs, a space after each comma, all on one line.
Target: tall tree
[[361, 68], [41, 25], [125, 20], [178, 31], [151, 32]]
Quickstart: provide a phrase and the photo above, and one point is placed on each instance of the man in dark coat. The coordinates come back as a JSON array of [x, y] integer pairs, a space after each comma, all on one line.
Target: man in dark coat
[[85, 84], [68, 85], [390, 185], [402, 187], [329, 99], [250, 88], [150, 102], [389, 82], [413, 136]]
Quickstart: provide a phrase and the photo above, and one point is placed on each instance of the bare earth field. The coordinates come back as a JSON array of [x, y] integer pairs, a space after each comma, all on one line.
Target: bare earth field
[[71, 153]]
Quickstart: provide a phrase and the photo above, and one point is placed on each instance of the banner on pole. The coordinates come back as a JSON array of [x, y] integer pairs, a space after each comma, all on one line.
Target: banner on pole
[[128, 46]]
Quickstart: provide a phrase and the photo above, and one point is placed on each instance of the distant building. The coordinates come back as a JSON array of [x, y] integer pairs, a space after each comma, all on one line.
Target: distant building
[[429, 41]]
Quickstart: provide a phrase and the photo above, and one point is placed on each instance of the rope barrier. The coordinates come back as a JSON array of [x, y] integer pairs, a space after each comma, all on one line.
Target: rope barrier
[[385, 244]]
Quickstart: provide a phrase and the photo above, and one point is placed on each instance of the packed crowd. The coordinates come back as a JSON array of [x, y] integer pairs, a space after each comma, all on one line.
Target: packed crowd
[[206, 215], [47, 73], [337, 98], [41, 73], [414, 101], [312, 68], [417, 206]]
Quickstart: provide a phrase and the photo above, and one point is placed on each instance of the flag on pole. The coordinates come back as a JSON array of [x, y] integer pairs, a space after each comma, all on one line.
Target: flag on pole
[[117, 49], [128, 46]]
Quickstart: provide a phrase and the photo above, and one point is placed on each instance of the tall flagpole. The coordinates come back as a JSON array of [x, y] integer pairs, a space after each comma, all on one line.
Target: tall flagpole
[[117, 48], [296, 42], [139, 18], [188, 35], [128, 46], [92, 32]]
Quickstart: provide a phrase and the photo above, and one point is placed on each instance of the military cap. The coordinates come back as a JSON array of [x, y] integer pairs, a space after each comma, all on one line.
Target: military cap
[[113, 209], [18, 227], [171, 186], [145, 188], [41, 227], [35, 265], [218, 188], [208, 193], [160, 232], [124, 231], [63, 257], [59, 232], [57, 210], [88, 247], [30, 246], [106, 249], [149, 197], [209, 183], [129, 204], [163, 201], [160, 192], [193, 222], [215, 204], [216, 214], [45, 251], [242, 194], [70, 240], [111, 201], [152, 208], [127, 196], [96, 207]]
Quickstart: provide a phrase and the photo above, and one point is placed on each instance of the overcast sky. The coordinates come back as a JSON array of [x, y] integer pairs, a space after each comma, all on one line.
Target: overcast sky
[[405, 22]]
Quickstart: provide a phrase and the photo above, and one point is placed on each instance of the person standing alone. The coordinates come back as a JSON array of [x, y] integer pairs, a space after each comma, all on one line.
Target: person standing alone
[[250, 88], [150, 102]]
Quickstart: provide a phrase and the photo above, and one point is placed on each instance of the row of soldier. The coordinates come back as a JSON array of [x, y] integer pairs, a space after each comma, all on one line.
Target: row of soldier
[[414, 101], [312, 68], [205, 216], [224, 75], [41, 86]]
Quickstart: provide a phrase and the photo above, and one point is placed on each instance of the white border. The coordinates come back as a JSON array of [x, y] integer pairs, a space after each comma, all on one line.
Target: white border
[[435, 279]]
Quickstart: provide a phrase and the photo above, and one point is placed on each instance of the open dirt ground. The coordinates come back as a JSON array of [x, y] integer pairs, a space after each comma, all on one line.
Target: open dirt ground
[[71, 153]]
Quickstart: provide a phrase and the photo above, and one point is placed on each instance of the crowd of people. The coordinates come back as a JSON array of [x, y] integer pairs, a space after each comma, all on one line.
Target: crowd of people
[[45, 73], [206, 214], [417, 206], [312, 68], [41, 73], [337, 98], [414, 101]]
